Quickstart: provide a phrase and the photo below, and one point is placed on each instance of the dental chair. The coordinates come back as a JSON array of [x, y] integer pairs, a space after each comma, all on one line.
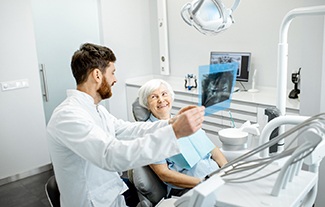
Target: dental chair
[[149, 186]]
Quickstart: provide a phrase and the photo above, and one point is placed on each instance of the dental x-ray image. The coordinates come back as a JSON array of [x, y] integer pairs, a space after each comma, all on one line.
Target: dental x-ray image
[[216, 85], [228, 58], [216, 88]]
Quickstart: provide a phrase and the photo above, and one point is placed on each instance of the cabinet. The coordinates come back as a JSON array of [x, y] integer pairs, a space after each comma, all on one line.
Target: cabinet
[[244, 106]]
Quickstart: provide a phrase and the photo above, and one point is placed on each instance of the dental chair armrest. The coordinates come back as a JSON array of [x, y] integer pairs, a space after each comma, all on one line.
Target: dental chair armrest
[[148, 184]]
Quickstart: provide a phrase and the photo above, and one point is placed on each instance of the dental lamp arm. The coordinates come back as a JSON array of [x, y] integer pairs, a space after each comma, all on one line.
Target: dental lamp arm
[[283, 51]]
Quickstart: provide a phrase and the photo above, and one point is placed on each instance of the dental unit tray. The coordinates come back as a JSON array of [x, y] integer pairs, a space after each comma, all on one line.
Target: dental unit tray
[[276, 180]]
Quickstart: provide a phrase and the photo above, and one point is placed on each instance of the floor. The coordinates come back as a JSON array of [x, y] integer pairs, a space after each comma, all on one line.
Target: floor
[[27, 192]]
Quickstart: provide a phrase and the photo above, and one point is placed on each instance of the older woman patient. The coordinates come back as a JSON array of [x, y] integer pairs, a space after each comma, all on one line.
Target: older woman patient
[[157, 96]]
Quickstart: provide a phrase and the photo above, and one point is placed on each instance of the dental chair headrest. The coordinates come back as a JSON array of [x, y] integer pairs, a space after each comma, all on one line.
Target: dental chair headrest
[[139, 112]]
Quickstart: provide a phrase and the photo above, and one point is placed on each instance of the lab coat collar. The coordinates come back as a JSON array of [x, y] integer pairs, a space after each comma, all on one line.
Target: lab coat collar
[[89, 99]]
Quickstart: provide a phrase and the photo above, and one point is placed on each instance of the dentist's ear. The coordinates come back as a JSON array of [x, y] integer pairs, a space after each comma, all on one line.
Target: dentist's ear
[[96, 75]]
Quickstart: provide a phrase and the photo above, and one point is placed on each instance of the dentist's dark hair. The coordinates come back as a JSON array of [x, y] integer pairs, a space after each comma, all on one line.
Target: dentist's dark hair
[[88, 58]]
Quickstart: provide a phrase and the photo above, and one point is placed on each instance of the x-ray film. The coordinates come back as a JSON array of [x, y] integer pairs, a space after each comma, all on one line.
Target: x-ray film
[[216, 83]]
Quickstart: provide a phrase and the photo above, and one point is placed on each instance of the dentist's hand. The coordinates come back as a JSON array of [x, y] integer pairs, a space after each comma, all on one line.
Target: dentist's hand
[[187, 121]]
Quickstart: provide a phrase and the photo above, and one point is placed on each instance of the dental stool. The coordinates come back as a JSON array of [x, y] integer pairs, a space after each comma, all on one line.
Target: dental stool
[[52, 192], [149, 187]]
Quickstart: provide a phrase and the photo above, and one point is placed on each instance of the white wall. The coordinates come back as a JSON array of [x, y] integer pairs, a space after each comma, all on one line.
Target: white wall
[[22, 128], [322, 88], [127, 31], [313, 77], [312, 70]]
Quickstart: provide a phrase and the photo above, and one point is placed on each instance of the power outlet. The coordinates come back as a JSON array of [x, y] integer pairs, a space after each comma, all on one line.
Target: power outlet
[[16, 84]]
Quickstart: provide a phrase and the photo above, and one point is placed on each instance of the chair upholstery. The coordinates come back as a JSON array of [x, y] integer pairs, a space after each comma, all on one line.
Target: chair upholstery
[[148, 185], [52, 192], [139, 112]]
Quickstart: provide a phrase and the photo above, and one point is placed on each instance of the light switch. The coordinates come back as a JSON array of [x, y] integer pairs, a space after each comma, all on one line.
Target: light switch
[[16, 84]]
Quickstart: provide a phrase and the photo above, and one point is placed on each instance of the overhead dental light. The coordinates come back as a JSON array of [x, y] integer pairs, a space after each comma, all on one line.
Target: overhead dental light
[[208, 16]]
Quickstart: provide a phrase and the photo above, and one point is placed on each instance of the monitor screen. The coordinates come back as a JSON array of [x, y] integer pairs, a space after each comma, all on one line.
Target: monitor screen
[[243, 59]]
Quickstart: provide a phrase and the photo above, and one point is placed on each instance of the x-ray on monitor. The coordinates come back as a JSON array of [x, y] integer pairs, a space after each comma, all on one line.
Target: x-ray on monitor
[[243, 59]]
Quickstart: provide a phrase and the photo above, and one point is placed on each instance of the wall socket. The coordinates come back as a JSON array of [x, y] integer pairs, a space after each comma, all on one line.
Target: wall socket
[[16, 84]]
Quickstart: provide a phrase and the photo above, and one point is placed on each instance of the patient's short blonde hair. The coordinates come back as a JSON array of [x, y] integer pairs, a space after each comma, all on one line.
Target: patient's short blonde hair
[[149, 87]]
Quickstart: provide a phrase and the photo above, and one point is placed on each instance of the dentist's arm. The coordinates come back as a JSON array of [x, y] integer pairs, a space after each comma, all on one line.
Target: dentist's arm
[[187, 121]]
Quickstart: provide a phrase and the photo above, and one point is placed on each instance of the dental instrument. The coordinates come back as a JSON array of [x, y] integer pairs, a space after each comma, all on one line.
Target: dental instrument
[[277, 180]]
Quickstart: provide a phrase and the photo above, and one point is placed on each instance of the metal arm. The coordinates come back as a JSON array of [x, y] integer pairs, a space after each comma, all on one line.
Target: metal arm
[[283, 51]]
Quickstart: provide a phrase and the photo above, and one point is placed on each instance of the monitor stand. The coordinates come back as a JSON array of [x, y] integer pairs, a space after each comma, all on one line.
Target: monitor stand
[[236, 89]]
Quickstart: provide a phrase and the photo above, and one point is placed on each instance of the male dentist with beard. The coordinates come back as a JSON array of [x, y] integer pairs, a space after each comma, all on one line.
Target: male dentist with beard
[[89, 146]]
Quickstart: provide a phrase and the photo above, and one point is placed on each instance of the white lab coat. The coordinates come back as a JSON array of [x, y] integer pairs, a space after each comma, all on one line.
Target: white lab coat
[[88, 146]]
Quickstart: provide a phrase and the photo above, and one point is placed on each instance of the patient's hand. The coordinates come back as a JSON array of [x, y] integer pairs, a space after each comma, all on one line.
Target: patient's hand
[[187, 121]]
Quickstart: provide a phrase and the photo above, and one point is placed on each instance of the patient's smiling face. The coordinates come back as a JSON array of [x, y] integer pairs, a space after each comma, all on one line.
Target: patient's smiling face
[[160, 103]]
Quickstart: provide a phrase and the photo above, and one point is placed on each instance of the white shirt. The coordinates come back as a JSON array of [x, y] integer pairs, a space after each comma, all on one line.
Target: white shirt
[[88, 146]]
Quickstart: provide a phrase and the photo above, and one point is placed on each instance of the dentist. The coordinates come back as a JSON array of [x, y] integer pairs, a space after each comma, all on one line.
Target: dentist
[[89, 146]]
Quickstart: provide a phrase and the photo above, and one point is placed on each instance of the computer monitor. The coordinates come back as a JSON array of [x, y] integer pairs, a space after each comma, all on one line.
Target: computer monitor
[[243, 59]]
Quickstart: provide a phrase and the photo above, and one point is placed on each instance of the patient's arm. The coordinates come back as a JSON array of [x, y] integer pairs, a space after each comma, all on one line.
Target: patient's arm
[[173, 177], [218, 157]]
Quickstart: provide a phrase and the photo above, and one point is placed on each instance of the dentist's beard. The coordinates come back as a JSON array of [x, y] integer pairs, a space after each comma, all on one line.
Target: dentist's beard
[[105, 90]]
